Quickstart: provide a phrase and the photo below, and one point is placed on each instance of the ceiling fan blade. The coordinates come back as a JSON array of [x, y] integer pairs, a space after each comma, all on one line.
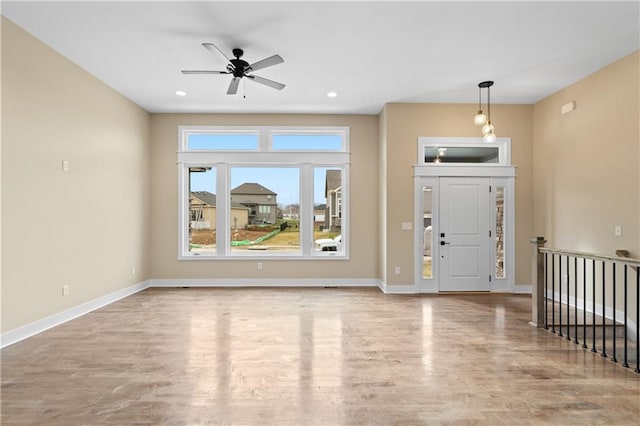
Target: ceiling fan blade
[[266, 82], [213, 49], [192, 72], [233, 86], [266, 62]]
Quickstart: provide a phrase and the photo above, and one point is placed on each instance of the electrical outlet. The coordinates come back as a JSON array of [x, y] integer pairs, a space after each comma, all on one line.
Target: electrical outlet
[[133, 270], [259, 266], [397, 270], [618, 231], [65, 166], [65, 290]]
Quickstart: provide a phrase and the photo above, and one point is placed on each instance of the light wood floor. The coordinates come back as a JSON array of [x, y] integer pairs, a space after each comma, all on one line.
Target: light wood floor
[[310, 357]]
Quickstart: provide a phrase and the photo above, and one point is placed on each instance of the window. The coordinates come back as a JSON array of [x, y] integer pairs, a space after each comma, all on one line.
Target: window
[[257, 192], [463, 151], [427, 234], [216, 142], [458, 155], [308, 142], [260, 190], [202, 210], [500, 227]]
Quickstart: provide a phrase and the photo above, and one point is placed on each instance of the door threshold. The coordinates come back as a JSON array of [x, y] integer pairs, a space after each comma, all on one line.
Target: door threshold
[[485, 292]]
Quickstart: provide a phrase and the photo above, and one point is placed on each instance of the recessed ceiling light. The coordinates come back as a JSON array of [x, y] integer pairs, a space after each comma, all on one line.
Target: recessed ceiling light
[[181, 93], [332, 94]]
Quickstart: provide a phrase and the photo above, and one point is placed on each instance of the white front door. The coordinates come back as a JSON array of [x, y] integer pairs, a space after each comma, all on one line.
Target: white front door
[[464, 234]]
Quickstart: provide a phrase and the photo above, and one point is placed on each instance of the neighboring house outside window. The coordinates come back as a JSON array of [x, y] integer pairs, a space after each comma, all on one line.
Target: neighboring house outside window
[[333, 194], [261, 201], [319, 213], [202, 205]]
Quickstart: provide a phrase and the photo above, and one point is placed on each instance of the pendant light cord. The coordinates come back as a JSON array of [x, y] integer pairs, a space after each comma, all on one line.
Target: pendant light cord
[[489, 104]]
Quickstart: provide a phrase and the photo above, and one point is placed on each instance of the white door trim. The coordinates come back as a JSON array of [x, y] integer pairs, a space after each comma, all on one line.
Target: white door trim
[[428, 175]]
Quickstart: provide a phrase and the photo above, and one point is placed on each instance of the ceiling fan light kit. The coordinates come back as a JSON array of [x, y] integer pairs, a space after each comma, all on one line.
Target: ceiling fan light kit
[[240, 68], [488, 130]]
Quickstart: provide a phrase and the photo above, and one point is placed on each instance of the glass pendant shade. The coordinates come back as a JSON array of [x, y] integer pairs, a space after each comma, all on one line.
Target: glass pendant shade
[[480, 118], [487, 128], [490, 137]]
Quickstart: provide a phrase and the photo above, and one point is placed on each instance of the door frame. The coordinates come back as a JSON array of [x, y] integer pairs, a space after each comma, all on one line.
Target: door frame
[[428, 174]]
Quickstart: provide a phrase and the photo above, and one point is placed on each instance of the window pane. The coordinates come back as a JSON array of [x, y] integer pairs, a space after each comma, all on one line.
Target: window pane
[[500, 232], [461, 155], [327, 209], [225, 142], [264, 209], [202, 210], [307, 142], [427, 235]]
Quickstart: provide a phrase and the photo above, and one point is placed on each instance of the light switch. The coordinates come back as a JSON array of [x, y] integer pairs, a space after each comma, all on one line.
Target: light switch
[[618, 231], [65, 166], [406, 226]]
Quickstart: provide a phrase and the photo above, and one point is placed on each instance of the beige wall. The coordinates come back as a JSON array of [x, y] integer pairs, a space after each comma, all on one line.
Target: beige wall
[[404, 124], [96, 226], [363, 239], [586, 162]]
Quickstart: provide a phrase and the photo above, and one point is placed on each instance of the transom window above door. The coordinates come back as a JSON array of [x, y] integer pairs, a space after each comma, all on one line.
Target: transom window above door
[[463, 151]]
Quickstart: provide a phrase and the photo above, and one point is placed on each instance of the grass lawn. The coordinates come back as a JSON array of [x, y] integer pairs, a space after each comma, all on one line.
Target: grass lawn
[[291, 237]]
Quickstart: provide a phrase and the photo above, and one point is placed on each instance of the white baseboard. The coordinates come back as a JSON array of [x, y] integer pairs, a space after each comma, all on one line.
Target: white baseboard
[[409, 289], [396, 289], [270, 282], [17, 334]]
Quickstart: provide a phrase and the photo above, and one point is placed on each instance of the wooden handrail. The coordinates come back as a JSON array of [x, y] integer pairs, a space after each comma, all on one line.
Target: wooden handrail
[[594, 256]]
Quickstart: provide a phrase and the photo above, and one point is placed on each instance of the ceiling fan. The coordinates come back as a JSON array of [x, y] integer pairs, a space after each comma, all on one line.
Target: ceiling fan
[[241, 68]]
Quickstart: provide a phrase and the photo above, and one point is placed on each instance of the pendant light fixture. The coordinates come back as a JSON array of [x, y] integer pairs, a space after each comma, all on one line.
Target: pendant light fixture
[[488, 130], [480, 118]]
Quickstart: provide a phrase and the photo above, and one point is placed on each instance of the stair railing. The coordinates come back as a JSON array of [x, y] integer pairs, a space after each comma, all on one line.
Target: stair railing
[[577, 295]]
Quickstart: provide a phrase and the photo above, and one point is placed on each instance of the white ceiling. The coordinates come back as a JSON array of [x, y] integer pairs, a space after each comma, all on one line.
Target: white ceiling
[[370, 53]]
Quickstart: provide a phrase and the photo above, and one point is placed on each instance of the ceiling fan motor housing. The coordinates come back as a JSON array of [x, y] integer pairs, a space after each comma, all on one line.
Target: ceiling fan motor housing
[[240, 67]]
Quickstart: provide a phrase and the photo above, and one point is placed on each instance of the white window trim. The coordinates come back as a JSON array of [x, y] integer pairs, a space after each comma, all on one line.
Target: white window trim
[[223, 160]]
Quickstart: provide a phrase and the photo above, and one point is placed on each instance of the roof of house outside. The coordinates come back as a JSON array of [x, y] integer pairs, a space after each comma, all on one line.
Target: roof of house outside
[[333, 181], [320, 207], [210, 199], [252, 188]]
